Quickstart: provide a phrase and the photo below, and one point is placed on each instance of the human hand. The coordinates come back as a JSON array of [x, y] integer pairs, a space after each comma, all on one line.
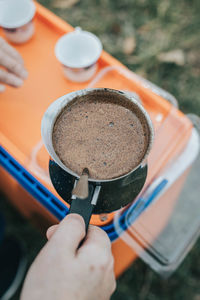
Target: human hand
[[63, 271], [13, 72]]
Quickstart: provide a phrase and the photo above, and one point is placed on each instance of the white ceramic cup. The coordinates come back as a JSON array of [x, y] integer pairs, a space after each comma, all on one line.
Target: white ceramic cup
[[78, 52], [16, 19]]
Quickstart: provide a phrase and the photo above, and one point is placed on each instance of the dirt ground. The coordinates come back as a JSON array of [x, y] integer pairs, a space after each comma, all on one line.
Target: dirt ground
[[160, 41]]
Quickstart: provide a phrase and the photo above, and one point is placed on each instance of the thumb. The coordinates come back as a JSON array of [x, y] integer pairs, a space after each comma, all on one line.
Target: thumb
[[69, 233], [51, 230]]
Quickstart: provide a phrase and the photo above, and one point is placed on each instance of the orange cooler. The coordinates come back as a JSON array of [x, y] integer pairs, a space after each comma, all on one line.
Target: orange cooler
[[149, 227]]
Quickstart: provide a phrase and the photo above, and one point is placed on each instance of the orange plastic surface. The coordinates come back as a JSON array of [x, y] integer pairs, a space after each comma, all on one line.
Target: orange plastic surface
[[22, 110]]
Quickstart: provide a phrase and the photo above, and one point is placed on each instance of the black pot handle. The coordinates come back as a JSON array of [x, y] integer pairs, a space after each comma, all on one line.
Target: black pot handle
[[84, 207]]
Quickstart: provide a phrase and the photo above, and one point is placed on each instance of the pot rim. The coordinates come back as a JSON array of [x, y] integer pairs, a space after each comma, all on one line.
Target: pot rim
[[57, 106]]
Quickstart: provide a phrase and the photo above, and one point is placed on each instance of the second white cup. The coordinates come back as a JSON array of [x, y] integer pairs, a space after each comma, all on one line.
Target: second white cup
[[78, 52]]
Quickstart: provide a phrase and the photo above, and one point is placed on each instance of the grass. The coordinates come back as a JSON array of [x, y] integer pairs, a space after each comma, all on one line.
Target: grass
[[156, 27]]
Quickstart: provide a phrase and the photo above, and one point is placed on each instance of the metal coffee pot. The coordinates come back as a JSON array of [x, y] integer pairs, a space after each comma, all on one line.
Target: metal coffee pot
[[104, 196]]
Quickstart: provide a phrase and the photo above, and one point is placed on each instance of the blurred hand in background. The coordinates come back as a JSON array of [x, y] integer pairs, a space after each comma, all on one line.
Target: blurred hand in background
[[12, 70]]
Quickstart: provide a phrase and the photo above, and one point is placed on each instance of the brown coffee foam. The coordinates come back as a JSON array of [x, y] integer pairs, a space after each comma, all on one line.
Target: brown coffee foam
[[104, 132]]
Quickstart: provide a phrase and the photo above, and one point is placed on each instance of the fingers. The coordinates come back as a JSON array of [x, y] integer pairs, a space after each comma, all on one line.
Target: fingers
[[50, 231], [98, 237], [5, 47], [9, 78], [96, 249], [69, 233], [13, 62], [2, 88], [96, 256], [113, 283], [12, 65]]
